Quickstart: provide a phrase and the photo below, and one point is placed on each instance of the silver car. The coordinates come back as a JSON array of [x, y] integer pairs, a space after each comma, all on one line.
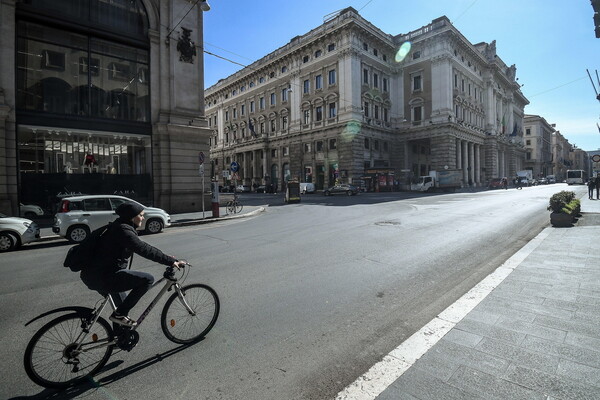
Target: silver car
[[78, 216], [15, 232]]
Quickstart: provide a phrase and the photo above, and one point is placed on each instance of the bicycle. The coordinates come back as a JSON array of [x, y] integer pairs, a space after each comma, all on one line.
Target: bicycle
[[77, 345], [234, 206]]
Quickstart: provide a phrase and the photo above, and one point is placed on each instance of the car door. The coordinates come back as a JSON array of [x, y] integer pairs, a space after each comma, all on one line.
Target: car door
[[97, 212]]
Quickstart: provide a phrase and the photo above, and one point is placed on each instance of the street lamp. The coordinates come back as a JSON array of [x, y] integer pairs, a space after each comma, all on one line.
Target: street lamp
[[204, 6]]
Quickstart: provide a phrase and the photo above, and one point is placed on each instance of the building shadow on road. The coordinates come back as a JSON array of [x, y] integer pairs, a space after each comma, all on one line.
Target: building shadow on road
[[87, 388]]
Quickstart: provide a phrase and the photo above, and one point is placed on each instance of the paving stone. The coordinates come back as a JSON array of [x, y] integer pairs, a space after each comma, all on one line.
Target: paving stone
[[566, 351], [551, 385], [483, 316], [594, 301], [579, 340], [529, 328], [578, 324], [579, 372], [491, 387], [525, 298], [519, 356], [491, 331], [562, 304], [424, 386], [463, 338]]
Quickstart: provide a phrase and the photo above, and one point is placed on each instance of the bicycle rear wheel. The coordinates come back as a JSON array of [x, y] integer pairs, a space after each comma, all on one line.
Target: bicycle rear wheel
[[53, 359], [182, 326]]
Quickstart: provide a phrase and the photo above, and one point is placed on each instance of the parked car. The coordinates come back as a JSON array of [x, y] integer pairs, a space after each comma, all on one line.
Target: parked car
[[243, 188], [80, 215], [15, 232], [542, 181], [307, 187], [341, 189], [261, 189], [551, 179], [496, 183], [30, 210]]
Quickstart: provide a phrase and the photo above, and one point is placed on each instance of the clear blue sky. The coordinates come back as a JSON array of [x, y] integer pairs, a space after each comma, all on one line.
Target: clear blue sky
[[552, 43]]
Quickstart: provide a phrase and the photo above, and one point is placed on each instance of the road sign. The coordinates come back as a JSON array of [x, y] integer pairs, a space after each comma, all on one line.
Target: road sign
[[201, 158], [596, 158], [201, 169], [235, 167]]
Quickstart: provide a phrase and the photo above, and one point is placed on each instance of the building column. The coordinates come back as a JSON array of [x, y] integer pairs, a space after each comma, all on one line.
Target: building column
[[471, 163], [465, 161], [458, 154], [478, 164]]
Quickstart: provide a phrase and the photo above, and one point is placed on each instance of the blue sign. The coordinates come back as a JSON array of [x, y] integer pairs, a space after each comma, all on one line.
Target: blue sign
[[235, 167]]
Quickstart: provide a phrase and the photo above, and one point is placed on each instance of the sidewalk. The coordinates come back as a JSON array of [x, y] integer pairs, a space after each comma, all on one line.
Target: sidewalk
[[194, 218], [531, 330]]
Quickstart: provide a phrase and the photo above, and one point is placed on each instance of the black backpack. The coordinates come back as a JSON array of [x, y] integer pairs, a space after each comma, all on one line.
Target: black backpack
[[81, 255]]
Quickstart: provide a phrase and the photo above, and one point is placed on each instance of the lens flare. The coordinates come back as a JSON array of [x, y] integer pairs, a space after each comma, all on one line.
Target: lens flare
[[403, 51]]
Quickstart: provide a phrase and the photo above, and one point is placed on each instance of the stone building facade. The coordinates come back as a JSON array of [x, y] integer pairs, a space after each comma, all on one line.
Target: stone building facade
[[101, 97], [337, 105], [538, 144]]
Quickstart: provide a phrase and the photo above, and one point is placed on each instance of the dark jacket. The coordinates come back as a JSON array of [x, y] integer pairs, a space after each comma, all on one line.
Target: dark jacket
[[115, 248]]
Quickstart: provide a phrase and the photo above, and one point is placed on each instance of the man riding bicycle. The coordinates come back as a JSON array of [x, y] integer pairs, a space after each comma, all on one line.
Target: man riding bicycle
[[108, 273]]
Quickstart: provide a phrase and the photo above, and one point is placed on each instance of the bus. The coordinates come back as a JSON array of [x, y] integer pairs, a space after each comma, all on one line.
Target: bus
[[576, 177]]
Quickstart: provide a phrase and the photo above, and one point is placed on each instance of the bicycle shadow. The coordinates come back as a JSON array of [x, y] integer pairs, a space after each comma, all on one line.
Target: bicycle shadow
[[92, 384]]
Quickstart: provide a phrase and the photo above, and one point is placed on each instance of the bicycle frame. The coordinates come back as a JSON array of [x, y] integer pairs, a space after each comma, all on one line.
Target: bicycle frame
[[170, 283]]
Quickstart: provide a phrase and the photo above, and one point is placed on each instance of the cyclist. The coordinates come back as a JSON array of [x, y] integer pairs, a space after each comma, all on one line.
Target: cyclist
[[518, 183], [108, 273]]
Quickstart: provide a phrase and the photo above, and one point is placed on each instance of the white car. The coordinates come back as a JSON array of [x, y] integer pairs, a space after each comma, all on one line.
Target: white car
[[78, 216], [30, 210], [15, 232], [307, 187]]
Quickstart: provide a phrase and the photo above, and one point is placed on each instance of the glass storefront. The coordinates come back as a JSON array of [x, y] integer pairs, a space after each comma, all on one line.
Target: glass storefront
[[66, 73], [56, 163], [82, 101]]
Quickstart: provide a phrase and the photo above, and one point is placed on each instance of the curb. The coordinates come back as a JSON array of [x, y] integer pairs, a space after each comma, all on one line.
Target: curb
[[178, 224]]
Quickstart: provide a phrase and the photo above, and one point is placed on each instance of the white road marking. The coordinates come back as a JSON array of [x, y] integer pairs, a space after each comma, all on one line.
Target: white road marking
[[392, 366]]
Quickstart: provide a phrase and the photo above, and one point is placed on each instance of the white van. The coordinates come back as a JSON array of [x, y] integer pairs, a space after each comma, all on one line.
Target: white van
[[307, 187]]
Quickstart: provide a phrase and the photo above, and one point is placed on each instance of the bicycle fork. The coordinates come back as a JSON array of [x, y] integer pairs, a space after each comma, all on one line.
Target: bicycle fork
[[181, 297]]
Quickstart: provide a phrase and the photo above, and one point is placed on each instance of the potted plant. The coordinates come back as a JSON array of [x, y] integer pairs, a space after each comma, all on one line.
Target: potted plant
[[565, 207]]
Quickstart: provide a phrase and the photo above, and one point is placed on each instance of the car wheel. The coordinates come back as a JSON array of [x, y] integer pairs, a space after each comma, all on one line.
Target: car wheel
[[349, 192], [154, 225], [7, 241], [77, 233]]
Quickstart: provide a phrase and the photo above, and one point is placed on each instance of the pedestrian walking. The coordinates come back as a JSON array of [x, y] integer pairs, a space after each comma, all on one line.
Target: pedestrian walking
[[597, 188], [591, 185]]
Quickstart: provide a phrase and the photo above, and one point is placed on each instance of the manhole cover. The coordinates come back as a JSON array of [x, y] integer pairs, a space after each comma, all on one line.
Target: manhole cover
[[387, 223]]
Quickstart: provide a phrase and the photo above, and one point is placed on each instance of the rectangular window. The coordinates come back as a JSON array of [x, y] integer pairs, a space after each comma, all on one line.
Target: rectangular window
[[331, 76], [385, 114], [243, 110], [417, 114], [319, 113], [284, 122], [332, 144], [318, 82], [331, 47], [416, 83], [252, 106], [376, 113], [226, 115], [306, 116], [332, 111], [366, 109], [307, 148], [234, 113], [272, 125], [306, 87], [286, 151], [284, 95], [261, 103], [273, 99], [375, 80], [319, 146], [528, 131], [385, 85], [366, 76], [262, 127]]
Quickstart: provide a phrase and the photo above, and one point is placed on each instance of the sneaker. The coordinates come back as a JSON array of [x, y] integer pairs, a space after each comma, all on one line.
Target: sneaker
[[122, 320]]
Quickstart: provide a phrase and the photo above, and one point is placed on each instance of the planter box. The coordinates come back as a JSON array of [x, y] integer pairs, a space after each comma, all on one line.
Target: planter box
[[561, 220]]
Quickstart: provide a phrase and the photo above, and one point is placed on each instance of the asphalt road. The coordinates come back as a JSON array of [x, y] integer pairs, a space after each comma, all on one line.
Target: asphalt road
[[312, 294]]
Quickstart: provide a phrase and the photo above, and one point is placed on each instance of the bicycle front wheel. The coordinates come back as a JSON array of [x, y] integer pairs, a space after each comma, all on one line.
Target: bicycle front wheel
[[189, 319], [54, 358], [230, 207], [238, 207]]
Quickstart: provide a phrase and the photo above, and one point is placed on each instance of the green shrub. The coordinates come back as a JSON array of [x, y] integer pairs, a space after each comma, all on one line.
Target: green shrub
[[560, 200]]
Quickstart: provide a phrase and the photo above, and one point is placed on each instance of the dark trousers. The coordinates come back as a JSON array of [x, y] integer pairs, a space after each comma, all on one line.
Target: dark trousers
[[591, 192], [118, 283]]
